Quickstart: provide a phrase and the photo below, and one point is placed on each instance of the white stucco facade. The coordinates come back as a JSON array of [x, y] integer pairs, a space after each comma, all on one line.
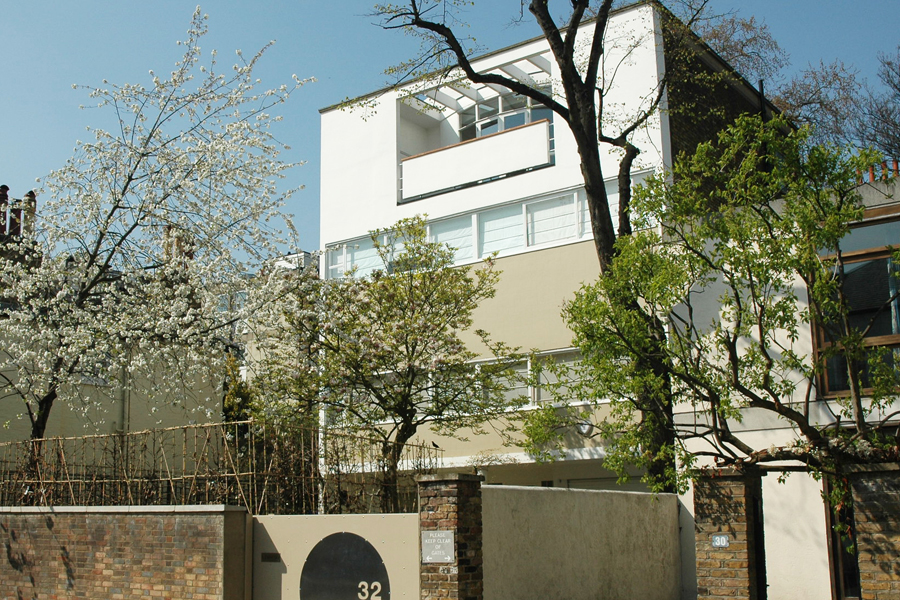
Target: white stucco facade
[[393, 157], [364, 147]]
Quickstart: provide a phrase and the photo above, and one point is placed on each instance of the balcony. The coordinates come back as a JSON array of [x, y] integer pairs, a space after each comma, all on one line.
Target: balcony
[[481, 160]]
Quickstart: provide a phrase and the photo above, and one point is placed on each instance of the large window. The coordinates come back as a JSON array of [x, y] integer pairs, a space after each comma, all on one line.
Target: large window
[[359, 254], [500, 230], [551, 220], [456, 233], [499, 114], [529, 224], [871, 282], [544, 377], [556, 371]]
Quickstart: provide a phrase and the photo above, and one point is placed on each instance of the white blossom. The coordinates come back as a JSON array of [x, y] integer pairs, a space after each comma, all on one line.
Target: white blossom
[[139, 238]]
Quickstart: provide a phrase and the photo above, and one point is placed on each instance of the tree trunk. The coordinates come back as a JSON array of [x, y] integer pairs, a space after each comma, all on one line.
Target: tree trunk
[[39, 420], [657, 414], [390, 494], [657, 411], [392, 453]]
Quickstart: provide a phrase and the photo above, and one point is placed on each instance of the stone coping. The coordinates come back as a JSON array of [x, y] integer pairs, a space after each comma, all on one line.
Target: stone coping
[[448, 477], [135, 510], [534, 489]]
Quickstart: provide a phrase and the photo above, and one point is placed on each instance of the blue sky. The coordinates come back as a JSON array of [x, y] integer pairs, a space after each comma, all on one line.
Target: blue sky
[[48, 46]]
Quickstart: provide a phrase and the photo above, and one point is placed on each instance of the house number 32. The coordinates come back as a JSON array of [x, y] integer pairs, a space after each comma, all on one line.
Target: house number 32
[[369, 591]]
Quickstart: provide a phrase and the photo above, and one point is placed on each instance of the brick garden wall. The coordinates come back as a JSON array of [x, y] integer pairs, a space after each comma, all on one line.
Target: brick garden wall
[[121, 553], [876, 511]]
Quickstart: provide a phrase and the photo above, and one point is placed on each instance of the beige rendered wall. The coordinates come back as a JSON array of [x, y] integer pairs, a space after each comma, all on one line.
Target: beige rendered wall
[[395, 537], [548, 543], [496, 445], [101, 410], [530, 295]]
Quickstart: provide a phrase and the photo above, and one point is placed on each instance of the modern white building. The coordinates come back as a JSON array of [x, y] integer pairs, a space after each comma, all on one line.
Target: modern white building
[[495, 174]]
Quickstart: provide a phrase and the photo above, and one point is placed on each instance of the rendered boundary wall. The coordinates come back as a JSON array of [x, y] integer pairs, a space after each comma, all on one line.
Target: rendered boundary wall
[[526, 543], [580, 544], [118, 553]]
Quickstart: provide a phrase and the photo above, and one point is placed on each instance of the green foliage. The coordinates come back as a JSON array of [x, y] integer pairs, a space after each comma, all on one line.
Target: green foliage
[[383, 353], [283, 348], [392, 352], [738, 252], [240, 397]]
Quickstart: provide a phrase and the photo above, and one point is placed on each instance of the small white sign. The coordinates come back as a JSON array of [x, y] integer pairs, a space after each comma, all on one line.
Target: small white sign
[[437, 547], [720, 540]]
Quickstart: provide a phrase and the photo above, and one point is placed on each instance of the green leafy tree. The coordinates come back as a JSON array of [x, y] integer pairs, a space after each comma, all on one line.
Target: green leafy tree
[[282, 346], [383, 353], [583, 49], [240, 397], [740, 252]]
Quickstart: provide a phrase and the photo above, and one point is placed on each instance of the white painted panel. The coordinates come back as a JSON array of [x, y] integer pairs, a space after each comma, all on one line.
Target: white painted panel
[[476, 160], [796, 538]]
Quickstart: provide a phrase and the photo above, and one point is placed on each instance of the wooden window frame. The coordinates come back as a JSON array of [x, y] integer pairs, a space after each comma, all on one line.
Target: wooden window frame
[[871, 217]]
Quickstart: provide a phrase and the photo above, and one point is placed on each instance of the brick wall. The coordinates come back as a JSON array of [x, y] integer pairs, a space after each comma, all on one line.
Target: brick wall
[[876, 511], [724, 513], [121, 553], [453, 503]]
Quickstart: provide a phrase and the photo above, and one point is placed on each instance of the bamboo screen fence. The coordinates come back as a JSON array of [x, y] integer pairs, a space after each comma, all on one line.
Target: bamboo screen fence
[[266, 468]]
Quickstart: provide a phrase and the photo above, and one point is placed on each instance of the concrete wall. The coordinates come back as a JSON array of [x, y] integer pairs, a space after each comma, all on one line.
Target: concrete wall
[[199, 552], [282, 546], [547, 543], [477, 159]]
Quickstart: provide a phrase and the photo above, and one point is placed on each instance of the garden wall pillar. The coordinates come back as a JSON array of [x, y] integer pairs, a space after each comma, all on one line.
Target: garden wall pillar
[[876, 512], [451, 564], [728, 535]]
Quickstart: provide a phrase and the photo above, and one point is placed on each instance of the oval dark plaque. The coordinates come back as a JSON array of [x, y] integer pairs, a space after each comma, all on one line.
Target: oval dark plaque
[[344, 566]]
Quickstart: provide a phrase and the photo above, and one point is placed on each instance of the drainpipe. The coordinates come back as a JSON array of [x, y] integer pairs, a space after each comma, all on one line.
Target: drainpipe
[[762, 101]]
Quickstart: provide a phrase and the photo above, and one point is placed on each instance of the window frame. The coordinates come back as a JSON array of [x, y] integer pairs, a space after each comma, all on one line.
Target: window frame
[[474, 129], [872, 217], [337, 255]]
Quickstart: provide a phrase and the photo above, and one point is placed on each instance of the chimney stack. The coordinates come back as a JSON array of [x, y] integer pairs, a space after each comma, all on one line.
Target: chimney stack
[[15, 218], [30, 202], [4, 204]]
